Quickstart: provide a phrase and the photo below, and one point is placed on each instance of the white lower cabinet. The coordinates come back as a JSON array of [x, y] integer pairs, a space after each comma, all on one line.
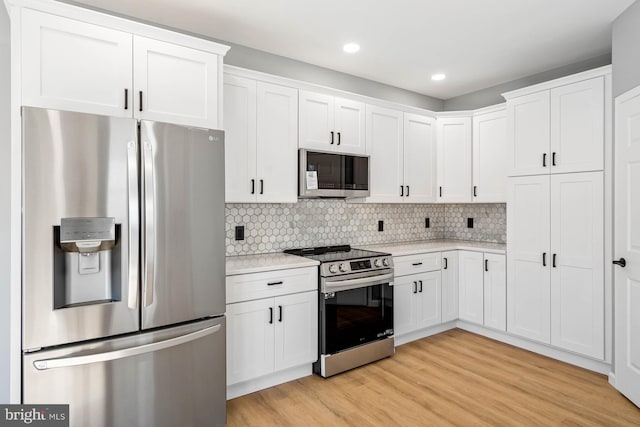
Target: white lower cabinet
[[449, 286], [416, 302], [470, 286], [495, 291], [270, 334]]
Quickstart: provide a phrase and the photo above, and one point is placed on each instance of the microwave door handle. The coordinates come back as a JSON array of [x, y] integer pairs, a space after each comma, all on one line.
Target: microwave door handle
[[134, 225], [149, 232], [343, 285]]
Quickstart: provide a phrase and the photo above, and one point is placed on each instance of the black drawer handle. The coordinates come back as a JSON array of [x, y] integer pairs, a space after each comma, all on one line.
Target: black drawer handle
[[420, 285], [279, 313], [415, 264], [446, 263], [275, 283], [270, 315], [415, 287]]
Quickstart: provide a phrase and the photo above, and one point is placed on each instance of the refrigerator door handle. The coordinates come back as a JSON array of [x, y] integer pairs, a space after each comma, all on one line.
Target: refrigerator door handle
[[134, 225], [65, 362], [148, 275]]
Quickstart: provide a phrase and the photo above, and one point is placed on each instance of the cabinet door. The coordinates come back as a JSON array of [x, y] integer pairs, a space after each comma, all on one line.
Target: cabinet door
[[449, 286], [470, 286], [429, 299], [239, 139], [495, 291], [490, 157], [577, 126], [296, 332], [349, 126], [384, 145], [316, 115], [75, 66], [277, 141], [577, 263], [405, 289], [454, 160], [529, 260], [175, 84], [419, 159], [250, 340], [528, 134]]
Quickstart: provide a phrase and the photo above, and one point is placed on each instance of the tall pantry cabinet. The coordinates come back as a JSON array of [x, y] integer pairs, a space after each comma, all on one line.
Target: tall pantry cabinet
[[555, 213]]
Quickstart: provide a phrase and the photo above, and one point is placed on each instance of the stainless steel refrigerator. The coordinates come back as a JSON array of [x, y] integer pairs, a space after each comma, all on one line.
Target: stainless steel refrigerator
[[123, 270]]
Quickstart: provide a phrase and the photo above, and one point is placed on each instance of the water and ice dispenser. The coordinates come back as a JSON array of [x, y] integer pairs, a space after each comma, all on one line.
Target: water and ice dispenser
[[86, 261]]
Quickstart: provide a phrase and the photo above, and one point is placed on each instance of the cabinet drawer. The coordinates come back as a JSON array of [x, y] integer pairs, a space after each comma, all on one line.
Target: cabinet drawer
[[246, 287], [411, 264]]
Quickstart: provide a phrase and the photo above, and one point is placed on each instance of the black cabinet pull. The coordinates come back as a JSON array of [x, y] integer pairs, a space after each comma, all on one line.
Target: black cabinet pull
[[253, 186], [270, 315], [440, 191], [544, 259], [338, 138], [415, 287], [279, 313], [274, 283], [553, 262], [262, 186], [621, 262], [544, 160], [553, 158], [475, 191], [402, 191], [140, 100], [486, 265], [415, 264], [420, 285], [407, 191], [126, 99], [331, 138], [446, 263]]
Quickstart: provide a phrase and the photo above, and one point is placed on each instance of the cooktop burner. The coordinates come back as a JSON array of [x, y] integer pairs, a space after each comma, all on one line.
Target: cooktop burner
[[334, 253]]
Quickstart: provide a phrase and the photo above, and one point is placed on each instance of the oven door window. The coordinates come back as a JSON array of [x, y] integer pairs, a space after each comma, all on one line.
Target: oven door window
[[357, 316]]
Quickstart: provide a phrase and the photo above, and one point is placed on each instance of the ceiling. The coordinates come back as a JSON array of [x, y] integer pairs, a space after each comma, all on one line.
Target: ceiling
[[477, 44]]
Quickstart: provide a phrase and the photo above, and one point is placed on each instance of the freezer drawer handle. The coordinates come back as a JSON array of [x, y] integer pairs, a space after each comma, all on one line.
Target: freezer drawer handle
[[126, 352]]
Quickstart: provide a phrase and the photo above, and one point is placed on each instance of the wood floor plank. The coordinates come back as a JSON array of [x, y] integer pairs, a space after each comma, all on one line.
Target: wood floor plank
[[455, 378]]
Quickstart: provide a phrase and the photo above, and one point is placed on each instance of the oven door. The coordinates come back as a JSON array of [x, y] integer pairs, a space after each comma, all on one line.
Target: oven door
[[356, 316]]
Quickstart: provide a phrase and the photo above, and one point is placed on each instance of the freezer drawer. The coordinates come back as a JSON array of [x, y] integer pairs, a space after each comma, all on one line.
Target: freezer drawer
[[170, 377]]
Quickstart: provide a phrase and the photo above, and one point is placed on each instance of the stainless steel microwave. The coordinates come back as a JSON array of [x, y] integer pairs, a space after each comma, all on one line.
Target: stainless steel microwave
[[332, 175]]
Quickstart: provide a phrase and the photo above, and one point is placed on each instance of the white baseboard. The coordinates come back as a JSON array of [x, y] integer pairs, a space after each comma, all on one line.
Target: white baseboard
[[423, 333], [612, 378], [256, 384]]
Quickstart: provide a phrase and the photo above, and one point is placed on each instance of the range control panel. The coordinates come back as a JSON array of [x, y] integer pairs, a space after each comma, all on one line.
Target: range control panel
[[336, 268]]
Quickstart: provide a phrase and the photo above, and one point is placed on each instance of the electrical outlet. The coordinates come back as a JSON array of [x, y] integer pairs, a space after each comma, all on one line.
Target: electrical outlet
[[426, 223], [380, 225], [239, 232], [469, 222]]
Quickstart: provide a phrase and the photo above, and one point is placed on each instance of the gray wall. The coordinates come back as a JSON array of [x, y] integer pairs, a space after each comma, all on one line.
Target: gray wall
[[626, 50], [491, 95], [5, 175]]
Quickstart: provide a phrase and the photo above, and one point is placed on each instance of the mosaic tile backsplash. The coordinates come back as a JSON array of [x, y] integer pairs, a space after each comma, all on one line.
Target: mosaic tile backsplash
[[275, 227]]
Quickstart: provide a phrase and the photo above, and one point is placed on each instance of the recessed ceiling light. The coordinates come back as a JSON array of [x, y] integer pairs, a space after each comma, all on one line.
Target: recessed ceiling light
[[351, 47], [438, 76]]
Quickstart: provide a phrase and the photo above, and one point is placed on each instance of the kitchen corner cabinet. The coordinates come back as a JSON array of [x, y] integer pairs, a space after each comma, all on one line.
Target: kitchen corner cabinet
[[449, 286], [558, 130], [454, 159], [272, 322], [77, 66], [260, 141], [555, 232], [329, 123], [490, 157]]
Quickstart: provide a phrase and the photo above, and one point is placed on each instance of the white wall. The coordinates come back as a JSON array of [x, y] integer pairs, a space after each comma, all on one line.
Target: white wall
[[5, 180], [626, 50]]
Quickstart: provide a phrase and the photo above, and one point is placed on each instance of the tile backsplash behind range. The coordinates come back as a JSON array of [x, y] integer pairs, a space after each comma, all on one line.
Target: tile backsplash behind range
[[275, 227]]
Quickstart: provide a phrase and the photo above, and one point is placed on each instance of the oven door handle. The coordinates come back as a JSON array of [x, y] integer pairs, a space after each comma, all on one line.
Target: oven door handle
[[343, 285]]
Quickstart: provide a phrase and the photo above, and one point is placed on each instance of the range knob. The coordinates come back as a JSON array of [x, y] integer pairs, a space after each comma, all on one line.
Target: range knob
[[343, 267], [385, 262], [333, 268], [378, 263]]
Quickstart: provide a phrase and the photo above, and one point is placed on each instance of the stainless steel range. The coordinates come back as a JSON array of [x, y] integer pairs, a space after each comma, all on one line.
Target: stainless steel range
[[355, 307]]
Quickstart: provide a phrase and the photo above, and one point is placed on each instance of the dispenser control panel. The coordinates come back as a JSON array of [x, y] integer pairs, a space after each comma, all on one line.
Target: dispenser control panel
[[78, 229]]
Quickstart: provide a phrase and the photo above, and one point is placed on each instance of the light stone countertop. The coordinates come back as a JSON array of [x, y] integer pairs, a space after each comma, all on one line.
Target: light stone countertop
[[412, 248], [244, 264]]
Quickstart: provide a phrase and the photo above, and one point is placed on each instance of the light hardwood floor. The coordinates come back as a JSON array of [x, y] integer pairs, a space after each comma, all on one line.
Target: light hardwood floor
[[453, 378]]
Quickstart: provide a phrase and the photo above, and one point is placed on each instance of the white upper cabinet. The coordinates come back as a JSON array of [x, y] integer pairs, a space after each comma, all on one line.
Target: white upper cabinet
[[384, 146], [490, 157], [75, 66], [78, 66], [420, 159], [260, 141], [454, 159], [557, 130], [328, 123]]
